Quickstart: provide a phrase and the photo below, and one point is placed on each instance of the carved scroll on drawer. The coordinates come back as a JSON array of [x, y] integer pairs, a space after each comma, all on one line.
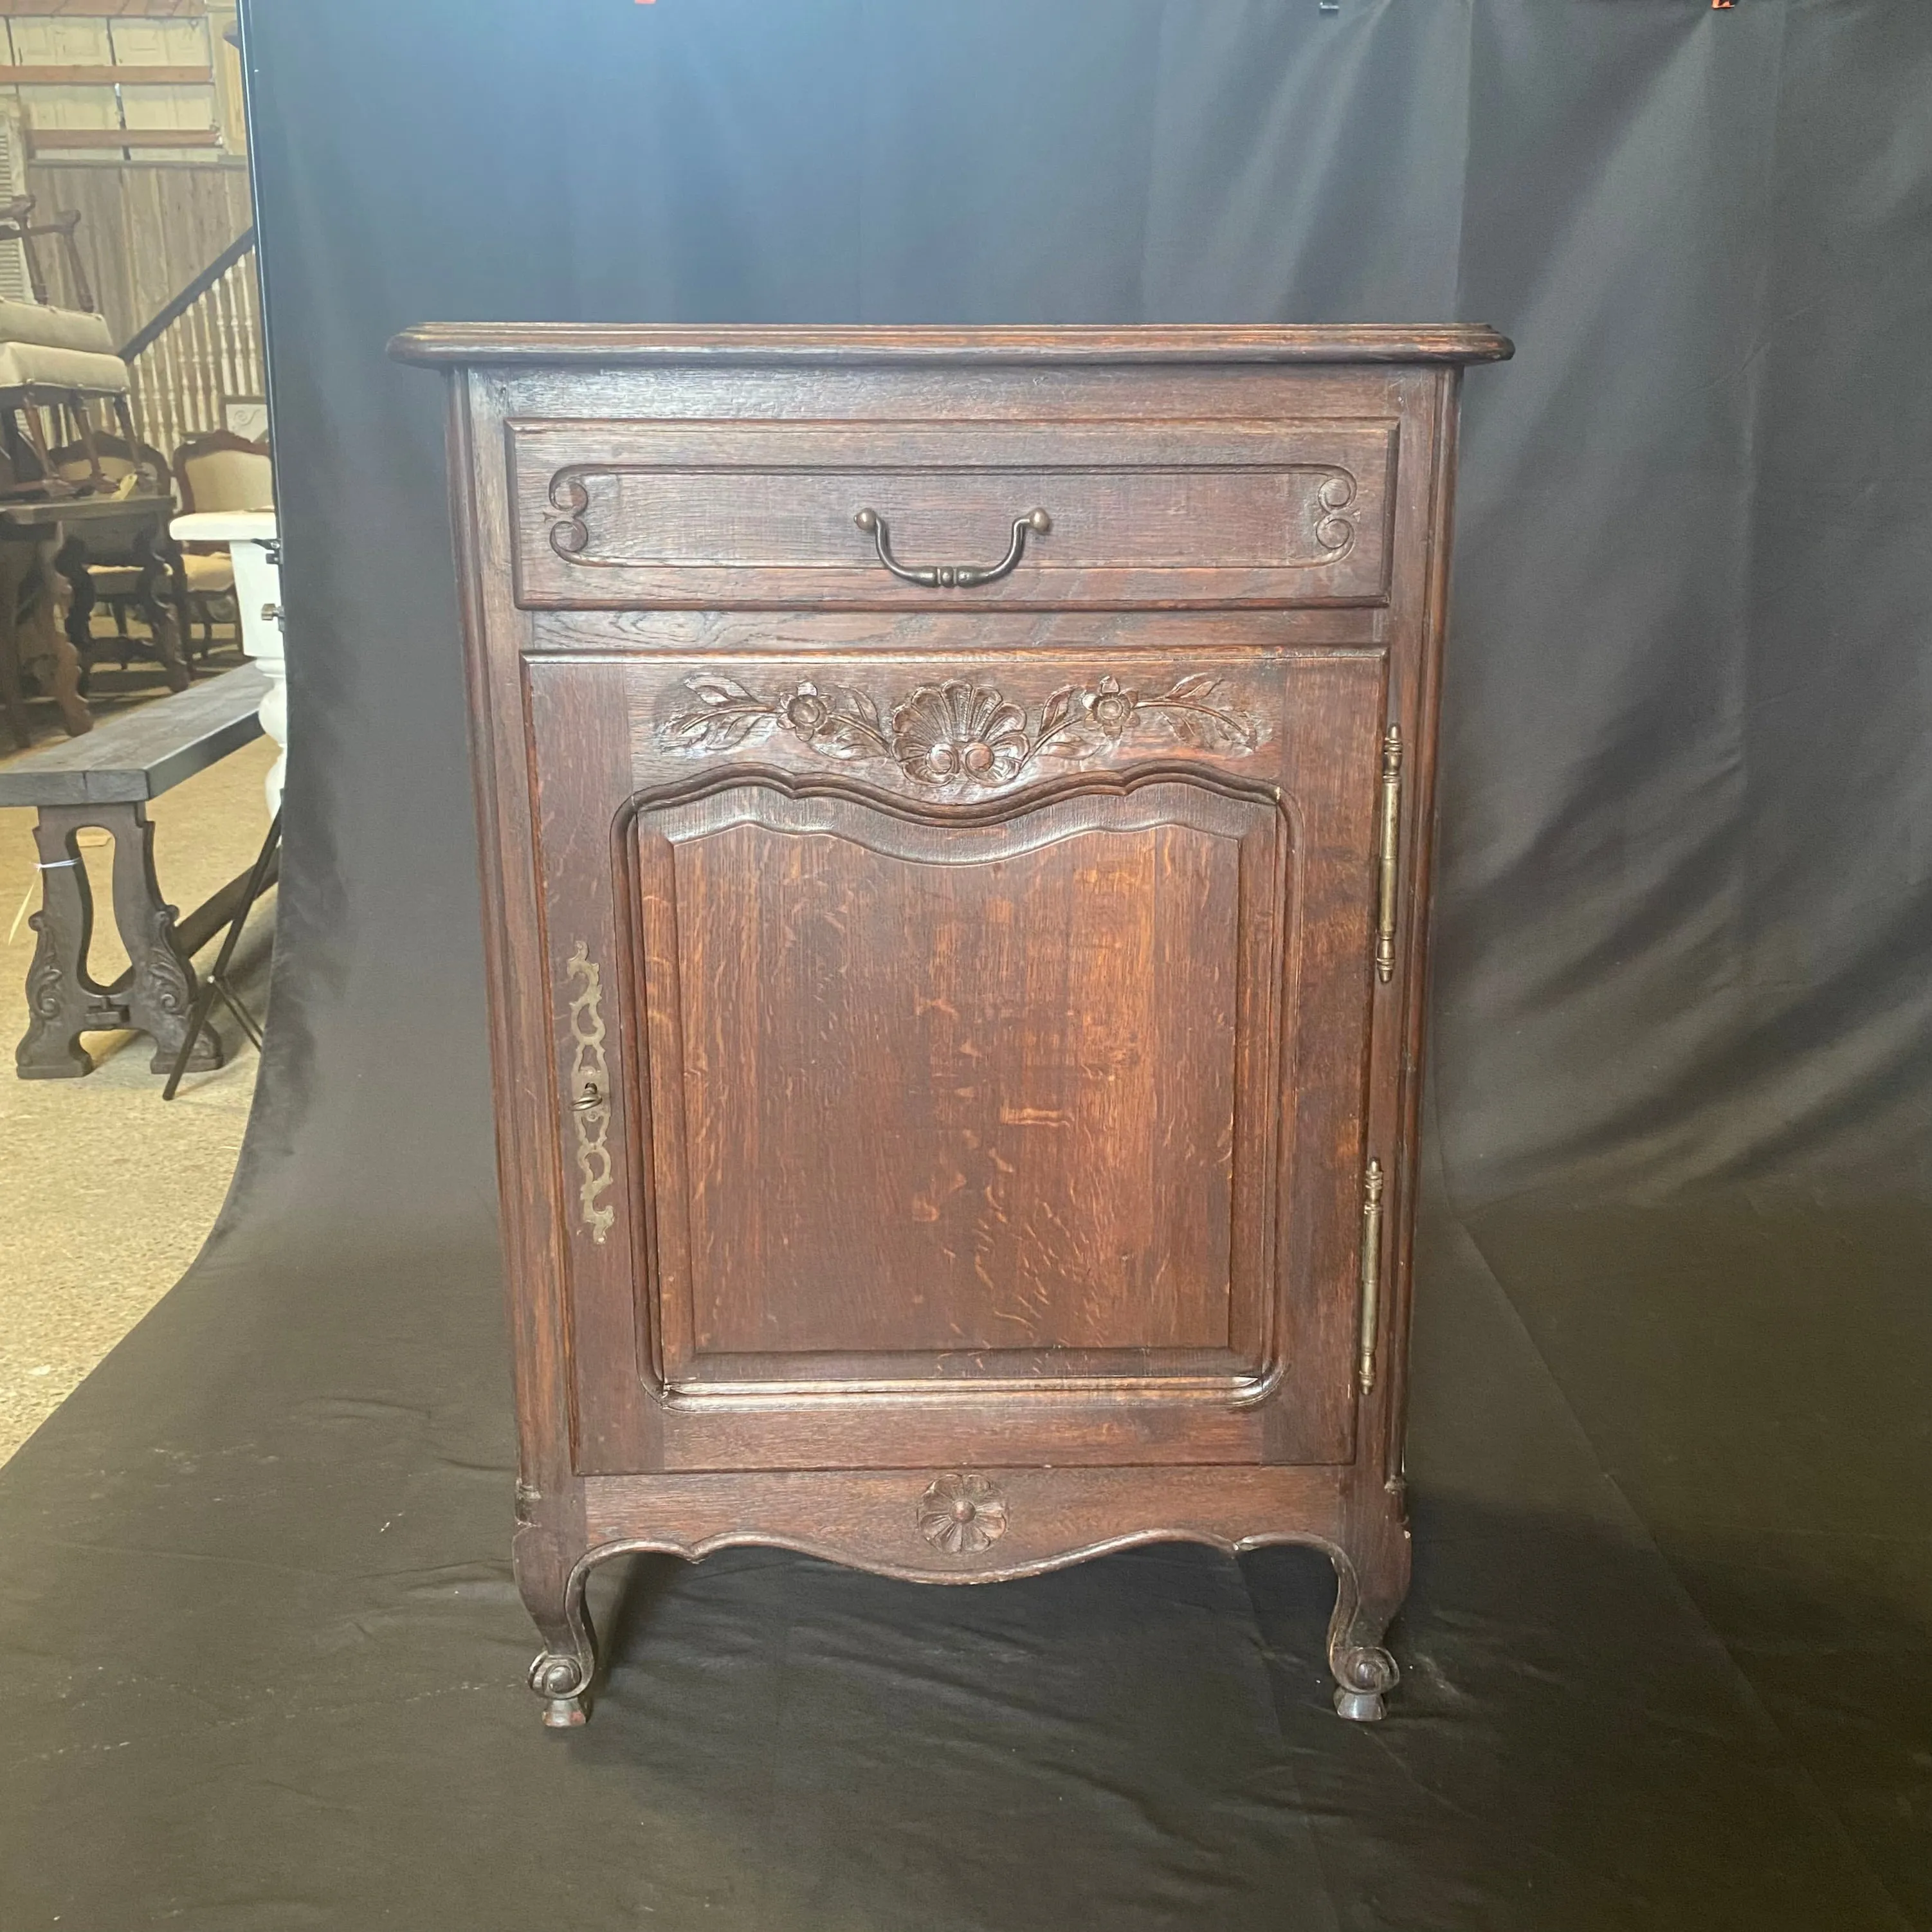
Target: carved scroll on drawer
[[714, 514]]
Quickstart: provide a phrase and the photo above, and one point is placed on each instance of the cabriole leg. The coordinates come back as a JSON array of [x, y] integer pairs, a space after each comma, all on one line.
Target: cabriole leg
[[552, 1585], [1370, 1584]]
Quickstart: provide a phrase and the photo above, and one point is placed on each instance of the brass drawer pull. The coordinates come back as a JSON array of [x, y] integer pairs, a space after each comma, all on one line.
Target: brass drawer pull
[[951, 576]]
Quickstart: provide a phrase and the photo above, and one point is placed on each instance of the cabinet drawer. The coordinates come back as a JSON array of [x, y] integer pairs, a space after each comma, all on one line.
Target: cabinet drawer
[[722, 514]]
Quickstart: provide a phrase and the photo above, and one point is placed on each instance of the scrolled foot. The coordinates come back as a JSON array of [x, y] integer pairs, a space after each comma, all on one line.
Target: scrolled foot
[[1365, 1673], [564, 1684]]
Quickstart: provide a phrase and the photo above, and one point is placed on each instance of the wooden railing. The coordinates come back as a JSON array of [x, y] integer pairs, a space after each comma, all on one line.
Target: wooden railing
[[203, 350]]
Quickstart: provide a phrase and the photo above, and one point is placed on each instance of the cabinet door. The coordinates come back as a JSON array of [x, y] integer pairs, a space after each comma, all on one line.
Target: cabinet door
[[960, 1061]]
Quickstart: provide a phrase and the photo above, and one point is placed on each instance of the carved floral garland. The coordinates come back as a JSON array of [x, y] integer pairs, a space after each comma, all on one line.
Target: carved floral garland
[[957, 735]]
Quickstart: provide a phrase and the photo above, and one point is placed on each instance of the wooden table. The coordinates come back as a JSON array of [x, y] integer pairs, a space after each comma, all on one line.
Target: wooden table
[[105, 780], [65, 537]]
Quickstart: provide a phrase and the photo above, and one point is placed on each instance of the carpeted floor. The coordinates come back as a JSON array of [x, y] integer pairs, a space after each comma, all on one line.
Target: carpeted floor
[[106, 1194]]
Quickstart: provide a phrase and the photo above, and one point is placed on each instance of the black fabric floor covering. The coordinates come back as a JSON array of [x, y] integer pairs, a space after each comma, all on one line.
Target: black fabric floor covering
[[262, 1657], [1751, 1371]]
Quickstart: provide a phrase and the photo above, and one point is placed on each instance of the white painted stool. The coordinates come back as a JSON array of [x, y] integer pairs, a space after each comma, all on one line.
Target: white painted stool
[[252, 542]]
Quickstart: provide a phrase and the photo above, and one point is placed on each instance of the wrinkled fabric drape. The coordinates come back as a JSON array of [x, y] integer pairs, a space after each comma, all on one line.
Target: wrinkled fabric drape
[[1686, 904], [1666, 1661]]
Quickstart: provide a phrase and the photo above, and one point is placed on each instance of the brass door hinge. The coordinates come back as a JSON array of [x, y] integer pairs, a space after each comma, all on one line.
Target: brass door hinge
[[1391, 836], [1371, 1271]]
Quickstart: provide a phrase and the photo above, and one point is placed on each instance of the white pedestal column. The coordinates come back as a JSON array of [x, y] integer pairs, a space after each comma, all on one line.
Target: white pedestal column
[[252, 544]]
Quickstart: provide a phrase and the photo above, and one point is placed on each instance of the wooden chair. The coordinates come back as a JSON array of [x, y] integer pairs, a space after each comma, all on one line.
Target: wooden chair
[[219, 471], [17, 224], [223, 471], [54, 361], [117, 458], [28, 622], [131, 568]]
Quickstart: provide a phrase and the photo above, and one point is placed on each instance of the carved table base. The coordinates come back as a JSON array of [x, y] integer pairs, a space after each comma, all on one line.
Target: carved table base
[[154, 996]]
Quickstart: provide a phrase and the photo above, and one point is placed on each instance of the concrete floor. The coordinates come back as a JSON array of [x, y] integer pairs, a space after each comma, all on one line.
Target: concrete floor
[[106, 1193]]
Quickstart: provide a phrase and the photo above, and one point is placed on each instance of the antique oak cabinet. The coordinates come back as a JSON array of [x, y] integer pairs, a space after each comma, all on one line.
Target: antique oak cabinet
[[956, 812]]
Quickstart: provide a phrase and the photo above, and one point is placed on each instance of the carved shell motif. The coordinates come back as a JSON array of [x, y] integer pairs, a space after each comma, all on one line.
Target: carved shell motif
[[962, 1514], [958, 737]]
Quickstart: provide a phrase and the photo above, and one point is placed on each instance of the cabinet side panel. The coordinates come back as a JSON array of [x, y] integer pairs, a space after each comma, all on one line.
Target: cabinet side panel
[[549, 1500], [1428, 512]]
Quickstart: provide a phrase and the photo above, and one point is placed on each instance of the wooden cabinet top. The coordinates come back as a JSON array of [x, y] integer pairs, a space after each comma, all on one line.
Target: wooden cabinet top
[[655, 344]]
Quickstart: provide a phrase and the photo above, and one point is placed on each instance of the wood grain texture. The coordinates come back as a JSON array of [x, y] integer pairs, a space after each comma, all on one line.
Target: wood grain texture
[[805, 1067], [50, 75], [122, 139], [958, 638], [143, 752], [98, 10], [711, 515], [566, 344], [1049, 1168], [1052, 1517], [939, 1049], [148, 228]]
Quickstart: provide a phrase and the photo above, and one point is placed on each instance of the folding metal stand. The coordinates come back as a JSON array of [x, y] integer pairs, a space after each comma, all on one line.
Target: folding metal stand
[[217, 981]]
